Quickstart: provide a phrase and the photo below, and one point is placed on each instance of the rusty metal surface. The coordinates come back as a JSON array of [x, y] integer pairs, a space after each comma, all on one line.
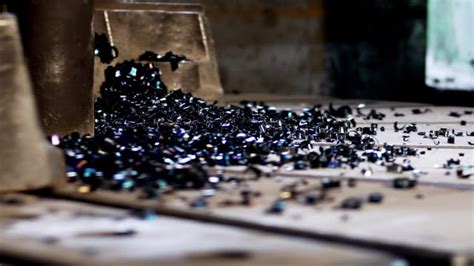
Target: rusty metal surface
[[180, 28], [26, 160], [59, 48]]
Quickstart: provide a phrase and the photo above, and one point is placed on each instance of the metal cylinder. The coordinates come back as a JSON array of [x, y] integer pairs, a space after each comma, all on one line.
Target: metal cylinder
[[58, 41]]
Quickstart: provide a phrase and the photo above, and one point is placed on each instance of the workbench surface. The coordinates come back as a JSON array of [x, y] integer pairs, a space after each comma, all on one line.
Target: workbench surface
[[432, 222]]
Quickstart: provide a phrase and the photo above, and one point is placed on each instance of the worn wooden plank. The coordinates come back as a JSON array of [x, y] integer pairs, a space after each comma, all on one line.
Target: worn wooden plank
[[69, 232], [410, 226], [432, 220], [404, 223]]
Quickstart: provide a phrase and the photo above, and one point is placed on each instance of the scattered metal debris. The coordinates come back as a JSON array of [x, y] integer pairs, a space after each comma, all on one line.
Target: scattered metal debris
[[104, 50], [455, 114], [419, 111], [156, 141], [169, 57], [396, 127], [278, 207], [464, 172], [314, 197], [375, 197], [328, 183], [404, 183]]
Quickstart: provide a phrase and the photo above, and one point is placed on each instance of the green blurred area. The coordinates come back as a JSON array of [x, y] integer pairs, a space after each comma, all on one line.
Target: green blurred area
[[450, 44]]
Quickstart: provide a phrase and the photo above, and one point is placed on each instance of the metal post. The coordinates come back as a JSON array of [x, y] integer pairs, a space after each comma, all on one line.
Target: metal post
[[58, 41]]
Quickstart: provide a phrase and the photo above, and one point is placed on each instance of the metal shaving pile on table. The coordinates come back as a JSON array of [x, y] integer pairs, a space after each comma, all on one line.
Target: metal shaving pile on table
[[151, 139]]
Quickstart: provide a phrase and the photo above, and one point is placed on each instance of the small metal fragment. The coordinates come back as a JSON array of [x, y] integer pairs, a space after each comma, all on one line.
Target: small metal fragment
[[169, 57], [313, 197], [419, 111], [404, 183], [278, 207], [396, 128], [463, 174], [351, 203], [104, 50], [455, 114], [375, 197], [328, 183], [451, 139]]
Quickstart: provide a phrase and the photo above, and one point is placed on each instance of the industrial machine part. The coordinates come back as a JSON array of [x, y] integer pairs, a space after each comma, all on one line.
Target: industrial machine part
[[58, 42], [27, 161], [181, 28]]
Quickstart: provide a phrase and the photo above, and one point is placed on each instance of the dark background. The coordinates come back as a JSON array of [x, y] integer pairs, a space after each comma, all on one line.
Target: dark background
[[368, 49], [377, 50]]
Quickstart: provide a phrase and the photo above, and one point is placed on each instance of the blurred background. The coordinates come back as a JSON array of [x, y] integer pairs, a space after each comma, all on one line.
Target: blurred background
[[370, 49]]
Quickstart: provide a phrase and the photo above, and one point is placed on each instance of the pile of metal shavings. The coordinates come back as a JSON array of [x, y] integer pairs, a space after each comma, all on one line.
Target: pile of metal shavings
[[155, 141]]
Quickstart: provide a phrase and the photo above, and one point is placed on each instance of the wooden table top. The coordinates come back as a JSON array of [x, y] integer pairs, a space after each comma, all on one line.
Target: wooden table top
[[434, 220]]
